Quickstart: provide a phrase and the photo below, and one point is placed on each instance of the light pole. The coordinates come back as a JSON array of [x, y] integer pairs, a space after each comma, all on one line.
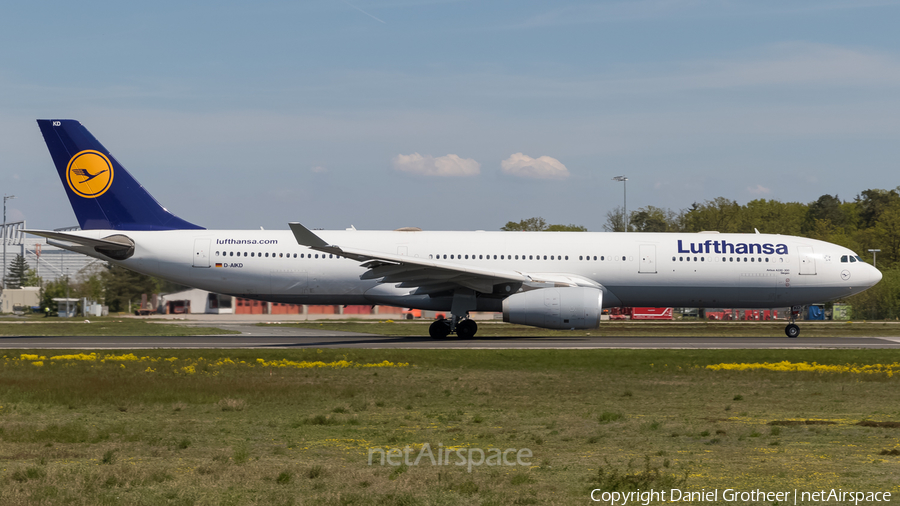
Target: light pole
[[5, 198], [873, 252], [624, 180]]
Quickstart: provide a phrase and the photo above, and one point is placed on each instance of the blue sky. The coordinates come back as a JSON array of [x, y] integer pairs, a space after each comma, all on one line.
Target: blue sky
[[453, 115]]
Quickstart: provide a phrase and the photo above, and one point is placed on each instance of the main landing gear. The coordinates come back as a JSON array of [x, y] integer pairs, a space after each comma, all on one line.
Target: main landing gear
[[461, 325], [792, 330]]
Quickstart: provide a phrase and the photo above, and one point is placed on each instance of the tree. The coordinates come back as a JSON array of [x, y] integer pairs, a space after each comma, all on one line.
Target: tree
[[55, 289], [874, 202], [826, 208], [121, 285], [91, 287], [615, 220], [32, 279], [654, 219], [719, 214], [17, 274], [529, 225], [772, 217], [566, 228], [538, 224]]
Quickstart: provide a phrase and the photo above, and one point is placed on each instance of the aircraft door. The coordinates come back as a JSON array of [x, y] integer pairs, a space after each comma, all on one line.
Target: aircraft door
[[201, 252], [807, 261], [648, 259]]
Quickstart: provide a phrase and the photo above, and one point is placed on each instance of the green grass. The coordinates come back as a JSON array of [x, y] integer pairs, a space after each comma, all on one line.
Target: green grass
[[96, 432], [618, 329], [104, 326]]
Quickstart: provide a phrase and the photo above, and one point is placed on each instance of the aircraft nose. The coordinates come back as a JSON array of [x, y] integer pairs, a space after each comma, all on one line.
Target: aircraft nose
[[874, 276]]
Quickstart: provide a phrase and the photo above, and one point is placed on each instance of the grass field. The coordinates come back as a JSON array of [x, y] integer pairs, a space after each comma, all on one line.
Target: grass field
[[621, 328], [108, 326], [296, 426]]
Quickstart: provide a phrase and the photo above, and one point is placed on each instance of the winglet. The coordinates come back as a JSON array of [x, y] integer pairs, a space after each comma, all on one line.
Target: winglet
[[305, 237]]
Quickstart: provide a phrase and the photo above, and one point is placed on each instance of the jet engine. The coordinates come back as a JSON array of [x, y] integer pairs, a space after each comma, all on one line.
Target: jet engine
[[573, 307]]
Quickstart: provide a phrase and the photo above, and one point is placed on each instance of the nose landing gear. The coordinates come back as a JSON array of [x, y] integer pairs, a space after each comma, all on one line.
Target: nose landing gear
[[792, 330]]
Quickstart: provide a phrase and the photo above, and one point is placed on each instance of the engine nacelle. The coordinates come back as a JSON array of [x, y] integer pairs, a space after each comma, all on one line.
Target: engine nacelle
[[572, 307]]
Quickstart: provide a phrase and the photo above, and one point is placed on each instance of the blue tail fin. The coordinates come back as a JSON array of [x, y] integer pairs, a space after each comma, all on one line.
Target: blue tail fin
[[102, 193]]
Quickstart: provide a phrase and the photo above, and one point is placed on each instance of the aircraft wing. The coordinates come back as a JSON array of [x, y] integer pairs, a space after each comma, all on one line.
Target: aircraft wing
[[429, 275]]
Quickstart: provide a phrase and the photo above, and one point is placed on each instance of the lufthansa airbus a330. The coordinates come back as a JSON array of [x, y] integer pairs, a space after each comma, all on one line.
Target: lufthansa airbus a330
[[557, 280]]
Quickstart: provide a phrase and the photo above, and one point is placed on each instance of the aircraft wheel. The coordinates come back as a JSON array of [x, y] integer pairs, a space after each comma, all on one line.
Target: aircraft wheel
[[792, 331], [466, 329], [439, 329]]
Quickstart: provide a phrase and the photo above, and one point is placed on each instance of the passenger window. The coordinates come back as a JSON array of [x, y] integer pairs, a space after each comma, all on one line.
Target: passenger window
[[731, 259], [767, 259], [530, 258], [581, 258], [217, 253], [623, 259], [702, 259], [751, 259], [567, 257]]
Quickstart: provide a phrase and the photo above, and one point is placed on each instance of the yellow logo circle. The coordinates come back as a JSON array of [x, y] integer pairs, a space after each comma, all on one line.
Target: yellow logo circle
[[89, 174]]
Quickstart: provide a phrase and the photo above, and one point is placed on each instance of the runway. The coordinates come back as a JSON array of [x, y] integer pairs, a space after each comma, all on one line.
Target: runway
[[292, 337]]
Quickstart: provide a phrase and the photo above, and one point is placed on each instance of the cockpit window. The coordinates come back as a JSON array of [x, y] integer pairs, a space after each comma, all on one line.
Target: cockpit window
[[844, 259], [852, 260], [858, 259]]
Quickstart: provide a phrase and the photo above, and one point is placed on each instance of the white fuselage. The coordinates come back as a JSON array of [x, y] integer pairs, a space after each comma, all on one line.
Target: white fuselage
[[632, 269]]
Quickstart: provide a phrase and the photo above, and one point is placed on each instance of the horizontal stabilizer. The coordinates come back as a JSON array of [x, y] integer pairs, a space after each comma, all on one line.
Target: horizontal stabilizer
[[84, 241]]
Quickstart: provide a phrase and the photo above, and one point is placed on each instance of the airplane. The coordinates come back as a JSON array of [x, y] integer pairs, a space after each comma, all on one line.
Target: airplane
[[555, 280]]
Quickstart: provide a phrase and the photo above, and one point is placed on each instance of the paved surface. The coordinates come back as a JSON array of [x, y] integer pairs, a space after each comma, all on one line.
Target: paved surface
[[290, 337], [275, 336]]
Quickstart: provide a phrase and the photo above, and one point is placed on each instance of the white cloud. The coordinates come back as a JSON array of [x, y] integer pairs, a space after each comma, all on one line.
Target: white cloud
[[318, 169], [759, 190], [447, 165], [543, 167]]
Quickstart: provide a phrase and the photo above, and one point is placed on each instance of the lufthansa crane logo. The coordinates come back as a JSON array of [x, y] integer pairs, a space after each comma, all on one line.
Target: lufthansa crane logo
[[89, 174]]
